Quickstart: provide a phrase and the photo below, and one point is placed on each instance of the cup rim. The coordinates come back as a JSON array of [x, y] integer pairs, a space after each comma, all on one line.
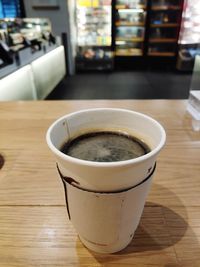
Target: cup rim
[[105, 164]]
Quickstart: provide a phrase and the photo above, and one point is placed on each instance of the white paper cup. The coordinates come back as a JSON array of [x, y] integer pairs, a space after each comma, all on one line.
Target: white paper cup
[[105, 200], [106, 176], [106, 222]]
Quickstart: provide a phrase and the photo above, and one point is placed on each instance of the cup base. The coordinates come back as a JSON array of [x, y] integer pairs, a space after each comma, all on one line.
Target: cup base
[[107, 249]]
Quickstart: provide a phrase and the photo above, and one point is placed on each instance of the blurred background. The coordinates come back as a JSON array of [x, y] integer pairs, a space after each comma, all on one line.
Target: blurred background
[[99, 49]]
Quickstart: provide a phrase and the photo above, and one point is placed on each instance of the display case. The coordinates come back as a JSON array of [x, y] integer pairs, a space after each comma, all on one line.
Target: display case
[[164, 26], [94, 34], [130, 19], [18, 33], [189, 38], [23, 40], [193, 105], [132, 32]]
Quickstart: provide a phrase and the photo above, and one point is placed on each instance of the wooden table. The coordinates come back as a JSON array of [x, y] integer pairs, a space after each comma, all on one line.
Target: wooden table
[[34, 227]]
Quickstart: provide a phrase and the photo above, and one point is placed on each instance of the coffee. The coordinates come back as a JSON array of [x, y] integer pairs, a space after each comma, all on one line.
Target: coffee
[[105, 146]]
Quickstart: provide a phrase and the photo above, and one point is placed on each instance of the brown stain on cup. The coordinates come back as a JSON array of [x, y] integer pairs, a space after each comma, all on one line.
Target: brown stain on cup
[[2, 161]]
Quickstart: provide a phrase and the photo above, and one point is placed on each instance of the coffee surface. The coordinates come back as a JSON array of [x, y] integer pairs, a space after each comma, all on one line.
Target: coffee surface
[[105, 147]]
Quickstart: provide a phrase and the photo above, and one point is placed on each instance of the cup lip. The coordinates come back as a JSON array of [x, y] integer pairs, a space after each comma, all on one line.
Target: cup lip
[[105, 164]]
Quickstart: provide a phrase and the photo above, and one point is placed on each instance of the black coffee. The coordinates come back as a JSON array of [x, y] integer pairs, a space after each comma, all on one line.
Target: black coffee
[[105, 147]]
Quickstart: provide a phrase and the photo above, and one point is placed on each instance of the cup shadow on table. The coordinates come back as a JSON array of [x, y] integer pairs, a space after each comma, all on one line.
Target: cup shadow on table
[[158, 224], [2, 161], [160, 227]]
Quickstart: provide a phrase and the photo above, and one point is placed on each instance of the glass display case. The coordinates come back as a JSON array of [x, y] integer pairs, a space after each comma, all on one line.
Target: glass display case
[[193, 105], [189, 38], [130, 27], [164, 27], [94, 38], [128, 31], [190, 26]]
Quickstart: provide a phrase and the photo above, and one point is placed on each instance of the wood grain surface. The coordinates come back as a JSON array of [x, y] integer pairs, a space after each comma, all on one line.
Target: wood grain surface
[[34, 227]]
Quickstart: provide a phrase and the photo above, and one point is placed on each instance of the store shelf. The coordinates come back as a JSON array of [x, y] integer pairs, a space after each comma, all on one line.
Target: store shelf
[[91, 4], [130, 28], [128, 54], [164, 25], [135, 39], [93, 45], [165, 7], [130, 24], [98, 40], [162, 54], [163, 31], [130, 7], [88, 23], [162, 40], [103, 60]]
